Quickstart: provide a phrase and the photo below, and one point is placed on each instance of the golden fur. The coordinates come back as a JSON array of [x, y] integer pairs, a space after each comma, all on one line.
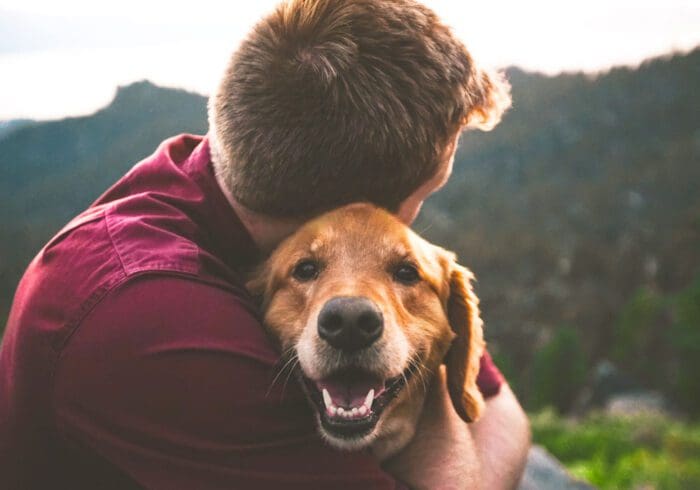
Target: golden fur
[[358, 248]]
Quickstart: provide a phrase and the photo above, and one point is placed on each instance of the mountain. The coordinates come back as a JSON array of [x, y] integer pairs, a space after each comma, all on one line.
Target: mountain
[[586, 193], [6, 127], [590, 182], [53, 169], [50, 171]]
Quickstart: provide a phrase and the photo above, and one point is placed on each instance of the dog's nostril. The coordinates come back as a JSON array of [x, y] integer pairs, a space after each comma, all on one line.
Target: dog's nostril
[[350, 323], [333, 322], [369, 321]]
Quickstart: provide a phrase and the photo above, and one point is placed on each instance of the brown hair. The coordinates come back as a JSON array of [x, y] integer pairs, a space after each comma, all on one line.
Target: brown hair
[[328, 102]]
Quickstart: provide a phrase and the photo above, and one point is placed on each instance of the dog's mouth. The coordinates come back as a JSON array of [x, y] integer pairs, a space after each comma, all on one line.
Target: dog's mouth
[[351, 401]]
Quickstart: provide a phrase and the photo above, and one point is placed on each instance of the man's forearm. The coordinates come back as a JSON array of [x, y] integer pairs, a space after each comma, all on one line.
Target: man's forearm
[[442, 454], [449, 454], [502, 440]]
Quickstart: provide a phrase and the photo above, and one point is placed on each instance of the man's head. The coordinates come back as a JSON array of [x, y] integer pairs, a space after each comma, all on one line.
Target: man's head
[[328, 102]]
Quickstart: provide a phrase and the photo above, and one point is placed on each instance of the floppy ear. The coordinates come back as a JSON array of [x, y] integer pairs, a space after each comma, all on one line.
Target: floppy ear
[[258, 282], [463, 358]]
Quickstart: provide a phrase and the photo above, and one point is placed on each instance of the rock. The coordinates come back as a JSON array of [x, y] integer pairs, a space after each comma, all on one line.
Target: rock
[[606, 382], [544, 472], [637, 403], [613, 392]]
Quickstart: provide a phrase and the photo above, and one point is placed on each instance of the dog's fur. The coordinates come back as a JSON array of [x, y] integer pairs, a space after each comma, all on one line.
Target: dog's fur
[[358, 249]]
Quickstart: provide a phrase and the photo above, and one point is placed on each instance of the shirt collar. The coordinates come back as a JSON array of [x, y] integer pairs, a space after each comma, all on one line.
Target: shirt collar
[[228, 236]]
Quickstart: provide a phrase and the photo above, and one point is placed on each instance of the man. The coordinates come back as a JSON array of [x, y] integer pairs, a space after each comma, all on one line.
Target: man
[[134, 357]]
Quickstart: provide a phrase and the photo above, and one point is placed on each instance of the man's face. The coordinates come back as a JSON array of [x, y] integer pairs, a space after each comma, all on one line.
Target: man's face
[[410, 207]]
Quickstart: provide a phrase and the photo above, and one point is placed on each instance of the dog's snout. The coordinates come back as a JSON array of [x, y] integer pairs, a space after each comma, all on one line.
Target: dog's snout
[[350, 323]]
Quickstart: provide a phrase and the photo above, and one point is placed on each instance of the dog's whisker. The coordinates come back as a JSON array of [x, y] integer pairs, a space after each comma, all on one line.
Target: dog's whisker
[[419, 370], [424, 381], [290, 371], [289, 374], [423, 373], [339, 358], [426, 228], [405, 383], [289, 357]]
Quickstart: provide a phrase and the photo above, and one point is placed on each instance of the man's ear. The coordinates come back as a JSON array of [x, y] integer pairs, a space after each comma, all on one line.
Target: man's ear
[[488, 97], [463, 358]]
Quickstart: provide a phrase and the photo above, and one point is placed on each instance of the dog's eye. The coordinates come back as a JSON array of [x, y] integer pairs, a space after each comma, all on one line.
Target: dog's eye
[[406, 274], [306, 270]]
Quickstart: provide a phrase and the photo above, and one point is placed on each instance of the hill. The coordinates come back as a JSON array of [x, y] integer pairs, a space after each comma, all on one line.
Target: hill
[[7, 127], [585, 195]]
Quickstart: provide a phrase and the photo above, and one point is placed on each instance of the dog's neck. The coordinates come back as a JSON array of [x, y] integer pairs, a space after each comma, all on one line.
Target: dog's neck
[[397, 431]]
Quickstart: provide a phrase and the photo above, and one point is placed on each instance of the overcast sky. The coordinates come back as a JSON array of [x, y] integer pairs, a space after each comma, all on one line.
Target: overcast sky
[[66, 57]]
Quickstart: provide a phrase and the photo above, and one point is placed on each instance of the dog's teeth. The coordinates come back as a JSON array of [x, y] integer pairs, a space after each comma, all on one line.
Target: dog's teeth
[[369, 399], [327, 398], [349, 412]]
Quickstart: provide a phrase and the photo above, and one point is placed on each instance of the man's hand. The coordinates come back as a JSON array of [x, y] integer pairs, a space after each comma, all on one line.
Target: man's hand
[[446, 453]]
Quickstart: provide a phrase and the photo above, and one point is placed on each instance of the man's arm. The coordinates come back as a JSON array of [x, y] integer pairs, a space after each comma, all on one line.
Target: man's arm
[[446, 453], [502, 440]]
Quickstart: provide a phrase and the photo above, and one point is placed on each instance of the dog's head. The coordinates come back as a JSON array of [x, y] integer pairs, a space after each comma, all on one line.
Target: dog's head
[[370, 310]]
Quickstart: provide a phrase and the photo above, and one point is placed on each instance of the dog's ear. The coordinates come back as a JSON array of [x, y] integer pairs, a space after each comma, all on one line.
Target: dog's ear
[[464, 356], [258, 282]]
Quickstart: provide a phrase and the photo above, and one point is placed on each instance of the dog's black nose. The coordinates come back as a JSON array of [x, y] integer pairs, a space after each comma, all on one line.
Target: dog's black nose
[[350, 323]]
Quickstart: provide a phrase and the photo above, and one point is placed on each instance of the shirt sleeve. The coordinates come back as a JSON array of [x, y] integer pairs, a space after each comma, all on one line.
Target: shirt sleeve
[[490, 378], [174, 382]]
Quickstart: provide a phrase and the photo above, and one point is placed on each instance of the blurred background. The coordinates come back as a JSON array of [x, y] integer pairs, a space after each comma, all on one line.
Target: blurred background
[[579, 213]]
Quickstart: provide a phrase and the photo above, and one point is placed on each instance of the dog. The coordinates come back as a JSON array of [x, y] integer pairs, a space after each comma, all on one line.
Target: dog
[[368, 311]]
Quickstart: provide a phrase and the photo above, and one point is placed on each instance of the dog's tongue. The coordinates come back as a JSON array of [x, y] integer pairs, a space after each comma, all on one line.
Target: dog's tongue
[[350, 389]]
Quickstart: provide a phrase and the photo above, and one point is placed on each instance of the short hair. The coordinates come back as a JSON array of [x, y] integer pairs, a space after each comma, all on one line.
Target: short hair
[[328, 102]]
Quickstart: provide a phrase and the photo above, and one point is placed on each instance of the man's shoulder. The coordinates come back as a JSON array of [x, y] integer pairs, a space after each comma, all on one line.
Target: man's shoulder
[[155, 219], [148, 235], [86, 259], [106, 251], [160, 312]]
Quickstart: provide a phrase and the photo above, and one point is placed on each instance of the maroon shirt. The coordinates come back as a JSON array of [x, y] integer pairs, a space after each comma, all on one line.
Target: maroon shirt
[[134, 357]]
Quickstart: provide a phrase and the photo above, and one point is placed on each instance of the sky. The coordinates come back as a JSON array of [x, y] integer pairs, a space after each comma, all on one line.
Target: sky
[[66, 58]]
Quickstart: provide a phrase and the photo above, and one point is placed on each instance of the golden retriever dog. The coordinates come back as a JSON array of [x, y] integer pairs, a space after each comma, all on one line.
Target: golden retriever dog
[[368, 311]]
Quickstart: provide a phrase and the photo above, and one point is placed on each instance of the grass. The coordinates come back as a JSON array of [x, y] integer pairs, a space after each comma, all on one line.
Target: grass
[[647, 452]]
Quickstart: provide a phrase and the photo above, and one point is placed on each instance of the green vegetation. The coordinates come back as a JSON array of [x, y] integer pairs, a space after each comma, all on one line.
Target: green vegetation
[[635, 337], [581, 209], [685, 340], [657, 340], [559, 370], [650, 452]]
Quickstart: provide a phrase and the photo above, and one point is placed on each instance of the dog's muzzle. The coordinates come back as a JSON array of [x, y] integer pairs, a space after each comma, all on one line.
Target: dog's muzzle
[[350, 323]]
